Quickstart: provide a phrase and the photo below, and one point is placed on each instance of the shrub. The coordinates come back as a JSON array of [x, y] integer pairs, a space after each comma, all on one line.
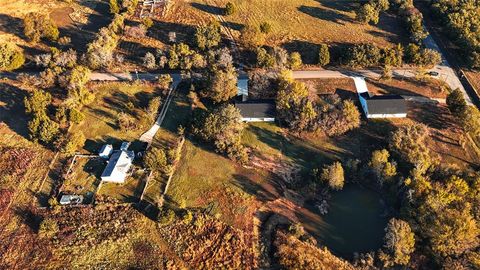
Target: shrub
[[156, 160], [324, 55], [456, 102], [153, 107], [75, 116], [126, 122], [295, 60], [187, 217], [266, 27], [147, 22], [73, 142], [264, 59], [37, 102], [11, 57], [149, 61], [251, 37], [38, 25], [208, 36], [164, 81], [48, 228], [368, 13], [333, 175], [166, 216], [230, 8], [363, 55], [114, 7]]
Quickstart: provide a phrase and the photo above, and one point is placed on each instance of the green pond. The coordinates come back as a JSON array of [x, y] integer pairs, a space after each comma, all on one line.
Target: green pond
[[354, 222]]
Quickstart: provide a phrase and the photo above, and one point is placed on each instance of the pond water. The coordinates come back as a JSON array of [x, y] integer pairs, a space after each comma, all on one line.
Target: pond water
[[354, 222]]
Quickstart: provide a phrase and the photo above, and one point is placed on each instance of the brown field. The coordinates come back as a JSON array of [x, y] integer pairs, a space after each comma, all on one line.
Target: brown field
[[298, 25], [410, 87], [474, 78]]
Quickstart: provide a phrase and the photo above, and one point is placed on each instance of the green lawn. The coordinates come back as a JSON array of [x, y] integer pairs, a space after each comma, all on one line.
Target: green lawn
[[128, 192], [84, 178]]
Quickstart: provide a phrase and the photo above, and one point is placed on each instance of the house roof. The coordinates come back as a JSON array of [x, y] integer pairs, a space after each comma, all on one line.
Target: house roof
[[118, 164], [257, 109], [386, 104]]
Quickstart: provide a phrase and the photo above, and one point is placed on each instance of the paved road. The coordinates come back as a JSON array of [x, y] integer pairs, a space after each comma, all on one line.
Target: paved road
[[445, 70]]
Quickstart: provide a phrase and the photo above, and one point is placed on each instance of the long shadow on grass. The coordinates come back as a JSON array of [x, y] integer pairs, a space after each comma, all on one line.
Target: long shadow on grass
[[393, 89], [209, 8], [12, 110], [346, 6], [326, 15], [301, 152]]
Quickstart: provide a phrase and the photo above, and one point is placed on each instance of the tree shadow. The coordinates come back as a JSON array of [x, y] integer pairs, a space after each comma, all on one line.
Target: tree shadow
[[12, 110], [326, 15], [233, 25], [345, 6], [214, 10], [161, 30]]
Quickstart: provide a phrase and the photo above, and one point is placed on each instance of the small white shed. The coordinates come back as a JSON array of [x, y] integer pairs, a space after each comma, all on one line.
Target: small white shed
[[106, 151]]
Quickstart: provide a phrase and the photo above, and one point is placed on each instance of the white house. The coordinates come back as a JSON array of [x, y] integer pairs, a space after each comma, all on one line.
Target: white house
[[118, 166], [106, 151], [257, 111]]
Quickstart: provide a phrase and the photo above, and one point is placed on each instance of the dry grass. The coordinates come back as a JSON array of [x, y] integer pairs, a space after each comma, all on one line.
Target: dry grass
[[301, 25], [474, 78], [411, 87]]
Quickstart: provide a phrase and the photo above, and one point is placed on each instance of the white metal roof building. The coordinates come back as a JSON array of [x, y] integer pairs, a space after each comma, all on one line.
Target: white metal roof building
[[118, 166], [106, 151]]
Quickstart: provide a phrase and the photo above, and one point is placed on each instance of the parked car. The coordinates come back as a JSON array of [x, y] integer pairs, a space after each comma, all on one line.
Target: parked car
[[433, 73]]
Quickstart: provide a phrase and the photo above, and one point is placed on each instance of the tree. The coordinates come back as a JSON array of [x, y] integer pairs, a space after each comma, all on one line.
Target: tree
[[11, 57], [333, 175], [324, 55], [368, 13], [48, 228], [230, 8], [351, 115], [73, 142], [222, 85], [295, 60], [470, 120], [38, 25], [363, 55], [381, 5], [456, 102], [251, 37], [408, 142], [156, 160], [264, 59], [164, 81], [208, 36], [114, 7], [224, 128], [149, 60], [293, 105], [393, 56], [399, 243], [42, 128], [75, 116], [37, 102], [153, 107], [147, 22], [381, 166], [180, 56]]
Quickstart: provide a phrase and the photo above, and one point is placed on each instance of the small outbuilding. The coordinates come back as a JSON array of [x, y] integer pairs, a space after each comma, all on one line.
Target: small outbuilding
[[118, 166], [71, 199], [105, 151], [383, 106], [257, 111]]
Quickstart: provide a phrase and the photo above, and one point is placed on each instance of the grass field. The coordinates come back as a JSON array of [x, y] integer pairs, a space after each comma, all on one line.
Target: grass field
[[128, 192], [100, 125], [300, 25]]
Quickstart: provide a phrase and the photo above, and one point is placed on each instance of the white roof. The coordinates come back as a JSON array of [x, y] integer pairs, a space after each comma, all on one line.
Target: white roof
[[360, 84], [118, 166], [106, 149]]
